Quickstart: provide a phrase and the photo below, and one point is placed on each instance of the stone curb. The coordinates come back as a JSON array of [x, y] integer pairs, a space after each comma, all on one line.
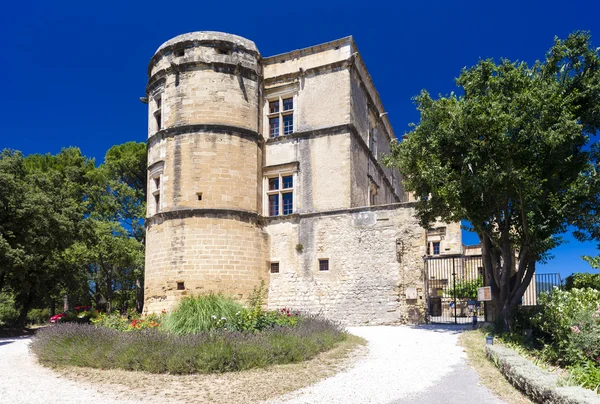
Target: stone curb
[[539, 385]]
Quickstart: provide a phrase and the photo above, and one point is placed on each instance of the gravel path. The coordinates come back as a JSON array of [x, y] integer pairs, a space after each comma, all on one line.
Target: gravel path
[[23, 381], [404, 365]]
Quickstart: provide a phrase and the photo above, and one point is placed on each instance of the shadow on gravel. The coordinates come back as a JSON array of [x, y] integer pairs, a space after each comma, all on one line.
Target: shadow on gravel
[[6, 342], [444, 328]]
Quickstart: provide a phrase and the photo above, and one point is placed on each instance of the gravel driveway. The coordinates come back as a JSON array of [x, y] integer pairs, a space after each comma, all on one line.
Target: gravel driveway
[[403, 365], [420, 364]]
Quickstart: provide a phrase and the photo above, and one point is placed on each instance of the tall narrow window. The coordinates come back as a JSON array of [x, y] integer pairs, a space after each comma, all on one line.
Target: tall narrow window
[[158, 112], [281, 116], [373, 142], [280, 194], [436, 248]]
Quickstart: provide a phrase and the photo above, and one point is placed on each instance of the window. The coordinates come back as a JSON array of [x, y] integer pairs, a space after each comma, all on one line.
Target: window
[[180, 286], [156, 192], [436, 248], [324, 265], [158, 112], [281, 116], [373, 142], [280, 194], [274, 267], [157, 202], [180, 52]]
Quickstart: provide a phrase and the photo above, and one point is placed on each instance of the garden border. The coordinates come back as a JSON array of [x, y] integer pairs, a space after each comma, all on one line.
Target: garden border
[[538, 384]]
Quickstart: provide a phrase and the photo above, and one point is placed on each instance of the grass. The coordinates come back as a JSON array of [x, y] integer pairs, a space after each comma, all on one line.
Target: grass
[[196, 314], [154, 351], [473, 342]]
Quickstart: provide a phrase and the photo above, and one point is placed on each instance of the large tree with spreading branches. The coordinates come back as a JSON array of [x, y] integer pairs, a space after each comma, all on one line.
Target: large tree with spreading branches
[[514, 155]]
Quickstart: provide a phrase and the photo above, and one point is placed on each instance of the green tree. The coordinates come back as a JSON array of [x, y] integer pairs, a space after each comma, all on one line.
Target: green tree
[[511, 156], [41, 212], [112, 253]]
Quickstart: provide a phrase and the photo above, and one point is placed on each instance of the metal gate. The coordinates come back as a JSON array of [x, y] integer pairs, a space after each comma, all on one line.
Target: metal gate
[[451, 282]]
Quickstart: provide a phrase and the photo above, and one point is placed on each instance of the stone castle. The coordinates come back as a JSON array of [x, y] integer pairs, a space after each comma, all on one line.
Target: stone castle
[[269, 169]]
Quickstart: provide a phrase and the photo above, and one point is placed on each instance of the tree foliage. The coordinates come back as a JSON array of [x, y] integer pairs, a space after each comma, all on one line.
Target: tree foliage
[[512, 156], [70, 228]]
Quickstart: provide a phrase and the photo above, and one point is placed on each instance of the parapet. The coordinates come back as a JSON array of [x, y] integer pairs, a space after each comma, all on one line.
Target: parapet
[[208, 37]]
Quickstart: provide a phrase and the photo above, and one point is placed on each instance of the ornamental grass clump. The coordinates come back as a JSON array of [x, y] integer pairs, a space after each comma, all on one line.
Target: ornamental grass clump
[[214, 351], [202, 313]]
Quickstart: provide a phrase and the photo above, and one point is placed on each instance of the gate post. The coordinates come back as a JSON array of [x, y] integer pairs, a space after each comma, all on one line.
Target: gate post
[[454, 287]]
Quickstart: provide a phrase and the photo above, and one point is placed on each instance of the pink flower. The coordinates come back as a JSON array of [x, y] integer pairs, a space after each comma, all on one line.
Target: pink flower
[[575, 329]]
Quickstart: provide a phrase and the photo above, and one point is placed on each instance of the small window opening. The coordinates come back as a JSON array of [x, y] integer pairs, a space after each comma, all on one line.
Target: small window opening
[[157, 182], [324, 265], [199, 195], [337, 47], [436, 248], [157, 201], [274, 267], [158, 113], [221, 51], [180, 52], [180, 286]]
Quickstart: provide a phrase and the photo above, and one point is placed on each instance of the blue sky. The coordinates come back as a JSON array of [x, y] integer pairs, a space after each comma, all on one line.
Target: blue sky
[[73, 72]]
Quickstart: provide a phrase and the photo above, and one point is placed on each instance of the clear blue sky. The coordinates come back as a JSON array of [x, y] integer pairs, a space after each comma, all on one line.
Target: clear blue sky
[[72, 72]]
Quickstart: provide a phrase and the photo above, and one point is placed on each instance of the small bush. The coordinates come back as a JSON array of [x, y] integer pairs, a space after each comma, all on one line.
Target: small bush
[[38, 316], [582, 280], [8, 312], [586, 373], [205, 352]]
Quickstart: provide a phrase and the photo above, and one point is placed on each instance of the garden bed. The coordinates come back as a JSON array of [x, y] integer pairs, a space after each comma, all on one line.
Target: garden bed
[[157, 351]]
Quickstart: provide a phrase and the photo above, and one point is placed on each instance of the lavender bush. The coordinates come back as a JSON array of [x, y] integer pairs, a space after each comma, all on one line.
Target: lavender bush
[[154, 351]]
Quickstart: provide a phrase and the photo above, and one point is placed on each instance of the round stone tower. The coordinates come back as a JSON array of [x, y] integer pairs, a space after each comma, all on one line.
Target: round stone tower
[[204, 169]]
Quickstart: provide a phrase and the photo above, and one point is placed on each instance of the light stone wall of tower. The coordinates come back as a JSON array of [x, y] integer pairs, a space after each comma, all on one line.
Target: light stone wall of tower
[[209, 145]]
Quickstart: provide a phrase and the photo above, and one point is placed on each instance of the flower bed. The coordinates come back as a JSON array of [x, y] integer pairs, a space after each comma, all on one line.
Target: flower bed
[[204, 334], [156, 351]]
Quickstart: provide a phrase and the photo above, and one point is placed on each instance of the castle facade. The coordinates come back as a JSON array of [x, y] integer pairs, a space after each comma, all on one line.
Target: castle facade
[[269, 169]]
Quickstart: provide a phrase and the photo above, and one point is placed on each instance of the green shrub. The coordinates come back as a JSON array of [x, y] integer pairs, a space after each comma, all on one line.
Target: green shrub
[[560, 312], [38, 316], [8, 312], [585, 373], [205, 352], [582, 280], [201, 313]]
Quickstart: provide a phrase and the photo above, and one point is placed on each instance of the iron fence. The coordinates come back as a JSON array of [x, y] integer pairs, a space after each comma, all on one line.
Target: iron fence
[[451, 282]]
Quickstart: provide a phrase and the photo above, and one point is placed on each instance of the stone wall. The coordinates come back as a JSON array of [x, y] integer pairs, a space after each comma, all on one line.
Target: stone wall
[[365, 284], [215, 252]]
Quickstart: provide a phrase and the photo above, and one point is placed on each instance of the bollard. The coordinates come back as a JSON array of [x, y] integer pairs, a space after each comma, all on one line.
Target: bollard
[[489, 340]]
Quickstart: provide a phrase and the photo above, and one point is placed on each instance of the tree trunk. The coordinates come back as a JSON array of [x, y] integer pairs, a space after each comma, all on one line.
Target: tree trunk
[[139, 294], [25, 305]]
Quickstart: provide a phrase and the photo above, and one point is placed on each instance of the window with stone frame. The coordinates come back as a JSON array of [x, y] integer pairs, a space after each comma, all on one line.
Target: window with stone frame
[[158, 112], [280, 194], [281, 115], [155, 172]]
